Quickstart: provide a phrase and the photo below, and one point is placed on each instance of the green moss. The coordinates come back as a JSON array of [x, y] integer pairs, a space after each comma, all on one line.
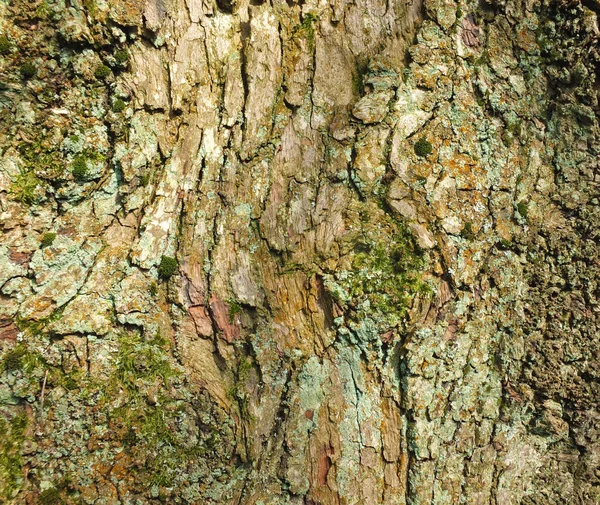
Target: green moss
[[80, 168], [237, 392], [48, 239], [11, 466], [25, 186], [153, 289], [148, 428], [358, 76], [167, 267], [234, 309], [467, 231], [383, 279], [144, 179], [5, 44], [122, 56], [13, 359], [308, 27], [522, 209], [102, 72], [28, 70], [50, 496], [91, 7], [423, 147], [119, 106]]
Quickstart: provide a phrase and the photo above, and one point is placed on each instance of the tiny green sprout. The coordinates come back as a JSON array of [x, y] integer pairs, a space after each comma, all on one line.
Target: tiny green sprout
[[80, 168], [102, 72], [153, 290], [167, 267], [119, 105], [423, 147], [28, 70], [121, 56], [4, 44], [48, 239]]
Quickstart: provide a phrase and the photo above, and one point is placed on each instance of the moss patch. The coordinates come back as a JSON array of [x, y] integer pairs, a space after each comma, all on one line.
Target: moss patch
[[167, 267], [48, 239], [25, 187], [11, 473], [423, 147], [28, 70], [5, 44], [102, 72]]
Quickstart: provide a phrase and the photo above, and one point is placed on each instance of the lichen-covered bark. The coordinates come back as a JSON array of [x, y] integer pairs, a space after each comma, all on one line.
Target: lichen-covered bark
[[299, 252]]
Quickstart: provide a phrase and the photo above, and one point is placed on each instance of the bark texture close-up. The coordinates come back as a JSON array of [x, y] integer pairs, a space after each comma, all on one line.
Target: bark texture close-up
[[304, 252]]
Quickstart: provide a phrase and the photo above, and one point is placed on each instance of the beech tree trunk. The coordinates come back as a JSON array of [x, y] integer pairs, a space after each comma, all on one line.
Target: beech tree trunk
[[299, 252]]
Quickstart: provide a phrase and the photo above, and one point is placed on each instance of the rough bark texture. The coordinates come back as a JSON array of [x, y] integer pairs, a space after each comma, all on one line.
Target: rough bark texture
[[299, 252]]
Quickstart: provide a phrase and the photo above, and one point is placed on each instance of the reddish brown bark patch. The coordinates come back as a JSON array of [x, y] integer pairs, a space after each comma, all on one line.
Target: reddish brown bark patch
[[8, 330], [20, 258], [202, 320], [220, 313]]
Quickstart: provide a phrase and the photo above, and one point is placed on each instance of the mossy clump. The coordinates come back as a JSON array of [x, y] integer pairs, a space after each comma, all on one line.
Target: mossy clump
[[25, 186], [144, 179], [11, 465], [383, 278], [122, 56], [102, 72], [522, 209], [119, 106], [48, 239], [234, 309], [423, 147], [28, 70], [467, 231], [80, 168], [13, 359], [50, 496], [153, 289], [167, 267], [5, 44]]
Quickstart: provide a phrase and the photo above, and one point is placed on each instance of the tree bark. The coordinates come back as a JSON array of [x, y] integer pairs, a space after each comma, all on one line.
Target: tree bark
[[299, 252]]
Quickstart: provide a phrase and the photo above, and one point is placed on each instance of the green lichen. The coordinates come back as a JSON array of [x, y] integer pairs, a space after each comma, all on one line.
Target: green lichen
[[423, 147], [167, 267], [47, 239]]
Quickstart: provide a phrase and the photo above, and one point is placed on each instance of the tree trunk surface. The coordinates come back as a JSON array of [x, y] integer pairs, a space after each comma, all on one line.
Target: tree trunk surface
[[299, 252]]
